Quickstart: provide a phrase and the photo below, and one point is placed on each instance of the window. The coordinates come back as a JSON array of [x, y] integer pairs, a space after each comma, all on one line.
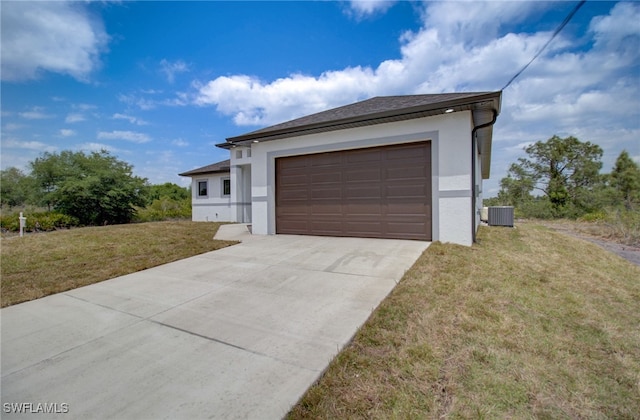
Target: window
[[238, 154], [203, 187], [226, 187]]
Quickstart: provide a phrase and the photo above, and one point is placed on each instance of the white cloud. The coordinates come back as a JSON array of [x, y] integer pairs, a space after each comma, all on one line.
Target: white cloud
[[253, 102], [13, 127], [131, 136], [65, 132], [74, 118], [56, 36], [365, 8], [438, 58], [28, 145], [613, 31], [180, 143], [85, 107], [132, 100], [180, 99], [35, 114], [474, 22], [96, 147], [456, 50], [131, 119], [170, 69]]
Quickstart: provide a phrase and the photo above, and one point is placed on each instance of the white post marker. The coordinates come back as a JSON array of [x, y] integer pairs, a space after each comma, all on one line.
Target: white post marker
[[23, 224]]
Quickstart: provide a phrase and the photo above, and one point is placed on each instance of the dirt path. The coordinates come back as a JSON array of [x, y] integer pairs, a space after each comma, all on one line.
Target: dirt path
[[628, 252]]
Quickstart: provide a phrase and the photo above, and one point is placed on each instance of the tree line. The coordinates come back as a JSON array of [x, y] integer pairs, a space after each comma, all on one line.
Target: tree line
[[91, 189], [561, 177]]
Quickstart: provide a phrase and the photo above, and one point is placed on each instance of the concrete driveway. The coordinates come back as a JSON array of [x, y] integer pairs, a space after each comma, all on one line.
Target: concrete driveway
[[240, 332]]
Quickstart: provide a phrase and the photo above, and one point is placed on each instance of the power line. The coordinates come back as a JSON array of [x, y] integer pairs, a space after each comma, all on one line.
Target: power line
[[562, 25]]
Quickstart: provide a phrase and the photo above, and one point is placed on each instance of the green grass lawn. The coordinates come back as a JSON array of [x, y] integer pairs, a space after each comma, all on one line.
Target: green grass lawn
[[41, 264], [528, 323]]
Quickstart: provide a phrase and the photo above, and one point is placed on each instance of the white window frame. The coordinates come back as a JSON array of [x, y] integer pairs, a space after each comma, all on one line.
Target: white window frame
[[198, 195], [222, 182]]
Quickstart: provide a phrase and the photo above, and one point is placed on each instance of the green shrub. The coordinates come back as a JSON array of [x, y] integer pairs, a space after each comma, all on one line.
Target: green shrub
[[9, 222], [38, 221], [538, 208], [624, 224], [596, 216], [164, 209]]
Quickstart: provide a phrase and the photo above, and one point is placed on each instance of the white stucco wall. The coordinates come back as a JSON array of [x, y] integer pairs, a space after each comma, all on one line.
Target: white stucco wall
[[454, 190], [215, 207], [479, 188], [241, 184], [450, 137]]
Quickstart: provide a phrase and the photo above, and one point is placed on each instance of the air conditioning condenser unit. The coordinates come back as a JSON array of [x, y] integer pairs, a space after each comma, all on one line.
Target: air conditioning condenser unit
[[501, 216]]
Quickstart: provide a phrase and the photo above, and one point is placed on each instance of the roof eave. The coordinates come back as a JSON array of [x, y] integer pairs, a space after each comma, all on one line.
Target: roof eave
[[220, 171], [488, 100]]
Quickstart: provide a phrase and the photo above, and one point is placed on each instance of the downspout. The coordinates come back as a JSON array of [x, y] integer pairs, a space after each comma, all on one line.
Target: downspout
[[473, 171]]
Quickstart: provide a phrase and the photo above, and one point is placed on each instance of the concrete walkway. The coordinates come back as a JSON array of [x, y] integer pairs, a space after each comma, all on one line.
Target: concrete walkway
[[241, 332]]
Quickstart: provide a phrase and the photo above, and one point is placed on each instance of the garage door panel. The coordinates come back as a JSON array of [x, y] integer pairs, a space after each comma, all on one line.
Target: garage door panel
[[407, 226], [406, 173], [326, 178], [407, 209], [297, 164], [326, 193], [372, 209], [330, 209], [406, 191], [363, 191], [364, 227], [295, 179], [380, 192], [293, 210], [408, 152], [324, 159], [360, 156], [296, 194], [363, 174], [326, 227]]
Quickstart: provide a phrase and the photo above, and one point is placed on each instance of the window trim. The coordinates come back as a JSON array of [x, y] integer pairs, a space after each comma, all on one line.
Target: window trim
[[222, 182], [198, 195]]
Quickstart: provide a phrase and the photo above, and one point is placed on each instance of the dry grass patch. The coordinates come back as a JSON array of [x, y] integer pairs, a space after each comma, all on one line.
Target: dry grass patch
[[528, 323], [42, 264]]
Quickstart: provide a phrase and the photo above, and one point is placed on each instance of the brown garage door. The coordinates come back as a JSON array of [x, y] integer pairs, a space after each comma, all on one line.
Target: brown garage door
[[379, 192]]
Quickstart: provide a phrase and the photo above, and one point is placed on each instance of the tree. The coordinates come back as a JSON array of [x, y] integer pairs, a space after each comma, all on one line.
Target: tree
[[49, 171], [95, 188], [516, 187], [625, 179], [563, 169], [168, 190], [16, 188]]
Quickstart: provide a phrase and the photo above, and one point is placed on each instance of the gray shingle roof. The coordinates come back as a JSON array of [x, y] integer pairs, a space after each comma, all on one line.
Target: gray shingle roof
[[219, 167], [376, 110]]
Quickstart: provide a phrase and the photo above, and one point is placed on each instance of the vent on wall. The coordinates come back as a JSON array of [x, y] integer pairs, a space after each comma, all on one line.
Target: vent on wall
[[501, 216]]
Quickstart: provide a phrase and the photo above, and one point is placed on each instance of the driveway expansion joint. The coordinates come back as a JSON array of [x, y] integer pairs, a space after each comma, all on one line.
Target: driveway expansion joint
[[226, 343]]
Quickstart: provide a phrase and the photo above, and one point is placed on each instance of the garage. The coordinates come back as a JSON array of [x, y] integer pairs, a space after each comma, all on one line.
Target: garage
[[376, 192]]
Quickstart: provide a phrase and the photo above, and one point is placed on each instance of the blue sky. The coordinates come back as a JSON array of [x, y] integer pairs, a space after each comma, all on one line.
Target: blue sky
[[160, 83]]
